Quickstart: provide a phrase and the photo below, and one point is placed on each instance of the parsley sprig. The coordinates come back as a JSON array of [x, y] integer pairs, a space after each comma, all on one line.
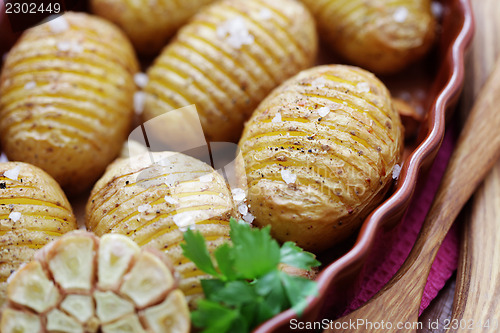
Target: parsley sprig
[[247, 288]]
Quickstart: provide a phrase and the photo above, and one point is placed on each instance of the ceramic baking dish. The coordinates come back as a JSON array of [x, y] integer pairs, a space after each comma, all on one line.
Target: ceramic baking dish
[[435, 85]]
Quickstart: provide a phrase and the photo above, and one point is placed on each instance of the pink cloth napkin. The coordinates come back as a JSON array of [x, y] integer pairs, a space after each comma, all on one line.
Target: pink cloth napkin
[[377, 275]]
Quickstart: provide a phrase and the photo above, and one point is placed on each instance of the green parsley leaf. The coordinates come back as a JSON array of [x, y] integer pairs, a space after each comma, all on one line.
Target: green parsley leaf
[[214, 317], [255, 251], [235, 293], [294, 256], [297, 289], [225, 261], [247, 288], [196, 250], [211, 287], [270, 287]]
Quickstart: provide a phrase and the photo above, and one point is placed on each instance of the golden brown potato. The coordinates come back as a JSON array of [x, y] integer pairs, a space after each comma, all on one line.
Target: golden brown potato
[[80, 283], [33, 212], [66, 93], [318, 155], [154, 204], [148, 24], [382, 36], [227, 59]]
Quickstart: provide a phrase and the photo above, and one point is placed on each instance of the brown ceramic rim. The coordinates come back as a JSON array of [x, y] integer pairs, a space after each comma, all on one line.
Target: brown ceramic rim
[[452, 72]]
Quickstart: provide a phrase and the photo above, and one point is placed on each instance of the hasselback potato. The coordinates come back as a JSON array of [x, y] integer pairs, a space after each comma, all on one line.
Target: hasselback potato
[[66, 93], [318, 154], [154, 203], [33, 212], [147, 26], [227, 59], [382, 36]]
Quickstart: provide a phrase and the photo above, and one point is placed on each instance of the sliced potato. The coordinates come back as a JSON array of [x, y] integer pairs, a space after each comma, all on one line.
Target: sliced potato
[[148, 26], [226, 60], [153, 199], [39, 301], [383, 36], [318, 154], [66, 93], [33, 212]]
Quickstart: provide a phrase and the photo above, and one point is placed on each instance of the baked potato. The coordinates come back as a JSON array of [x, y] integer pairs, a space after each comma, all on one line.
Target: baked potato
[[148, 25], [154, 203], [318, 153], [80, 283], [382, 36], [226, 60], [33, 212], [66, 93]]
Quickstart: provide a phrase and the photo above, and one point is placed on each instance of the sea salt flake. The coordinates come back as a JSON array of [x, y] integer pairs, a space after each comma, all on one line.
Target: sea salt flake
[[238, 194], [64, 46], [143, 208], [396, 171], [277, 118], [363, 87], [77, 48], [437, 9], [288, 177], [141, 79], [323, 111], [401, 14], [139, 100], [30, 85], [206, 178], [15, 216], [248, 218], [58, 25], [243, 209], [320, 82], [183, 220], [235, 33], [13, 174], [265, 14], [170, 200]]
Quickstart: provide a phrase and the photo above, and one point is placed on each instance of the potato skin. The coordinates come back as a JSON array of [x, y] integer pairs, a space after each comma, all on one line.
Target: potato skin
[[128, 184], [45, 215], [66, 99], [382, 36], [342, 160], [148, 26], [227, 59]]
